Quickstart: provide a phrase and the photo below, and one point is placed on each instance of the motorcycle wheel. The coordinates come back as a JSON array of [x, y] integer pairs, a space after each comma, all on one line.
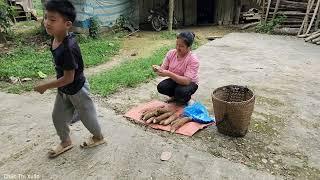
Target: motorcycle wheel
[[156, 24]]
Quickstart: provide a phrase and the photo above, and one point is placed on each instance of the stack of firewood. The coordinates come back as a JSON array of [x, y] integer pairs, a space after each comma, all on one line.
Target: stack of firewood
[[310, 25], [302, 16], [312, 38]]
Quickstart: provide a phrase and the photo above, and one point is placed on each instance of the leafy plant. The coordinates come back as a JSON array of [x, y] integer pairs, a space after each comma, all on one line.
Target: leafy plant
[[6, 15], [94, 28], [268, 27], [123, 23]]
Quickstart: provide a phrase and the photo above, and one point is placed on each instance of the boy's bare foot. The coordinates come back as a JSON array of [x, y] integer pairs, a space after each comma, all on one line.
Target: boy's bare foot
[[97, 138], [66, 143], [93, 141], [59, 149]]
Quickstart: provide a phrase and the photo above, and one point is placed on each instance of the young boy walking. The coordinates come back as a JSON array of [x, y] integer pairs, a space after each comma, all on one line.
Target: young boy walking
[[72, 86]]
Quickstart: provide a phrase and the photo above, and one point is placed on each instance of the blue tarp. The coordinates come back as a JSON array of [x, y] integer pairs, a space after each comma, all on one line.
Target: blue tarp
[[107, 11]]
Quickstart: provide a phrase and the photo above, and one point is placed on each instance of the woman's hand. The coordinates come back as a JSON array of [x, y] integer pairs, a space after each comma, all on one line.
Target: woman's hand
[[155, 68], [163, 73]]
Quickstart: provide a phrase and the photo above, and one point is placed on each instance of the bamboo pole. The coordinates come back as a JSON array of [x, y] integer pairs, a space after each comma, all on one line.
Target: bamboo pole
[[313, 17], [316, 27], [305, 28], [275, 9], [267, 12], [305, 17], [263, 7], [312, 36]]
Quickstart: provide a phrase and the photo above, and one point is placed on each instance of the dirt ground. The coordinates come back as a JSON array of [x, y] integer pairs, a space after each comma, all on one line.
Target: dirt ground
[[283, 141]]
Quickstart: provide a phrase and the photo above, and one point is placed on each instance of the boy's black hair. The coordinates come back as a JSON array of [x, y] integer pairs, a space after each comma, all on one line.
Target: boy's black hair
[[63, 7], [187, 37]]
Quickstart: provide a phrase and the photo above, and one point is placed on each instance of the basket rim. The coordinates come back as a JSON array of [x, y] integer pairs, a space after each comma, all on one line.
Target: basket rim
[[242, 102]]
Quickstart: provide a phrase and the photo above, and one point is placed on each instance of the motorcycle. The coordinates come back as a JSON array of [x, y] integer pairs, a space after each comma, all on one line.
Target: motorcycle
[[160, 20]]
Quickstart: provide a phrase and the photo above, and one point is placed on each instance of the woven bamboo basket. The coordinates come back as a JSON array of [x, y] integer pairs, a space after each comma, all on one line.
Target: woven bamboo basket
[[233, 106]]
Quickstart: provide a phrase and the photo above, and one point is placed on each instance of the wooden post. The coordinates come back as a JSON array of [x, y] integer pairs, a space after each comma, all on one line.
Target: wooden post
[[275, 9], [238, 11], [171, 8], [263, 8], [267, 12]]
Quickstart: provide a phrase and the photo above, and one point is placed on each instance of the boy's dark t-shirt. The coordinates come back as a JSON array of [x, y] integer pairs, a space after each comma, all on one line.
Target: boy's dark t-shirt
[[67, 56]]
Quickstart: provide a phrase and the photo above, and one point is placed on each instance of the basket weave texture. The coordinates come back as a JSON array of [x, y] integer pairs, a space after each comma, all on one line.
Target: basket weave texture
[[233, 106]]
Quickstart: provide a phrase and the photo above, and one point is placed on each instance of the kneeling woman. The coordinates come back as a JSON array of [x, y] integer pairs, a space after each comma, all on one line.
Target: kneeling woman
[[181, 67]]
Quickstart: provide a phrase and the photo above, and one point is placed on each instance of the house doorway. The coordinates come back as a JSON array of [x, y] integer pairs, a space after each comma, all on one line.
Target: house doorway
[[205, 12]]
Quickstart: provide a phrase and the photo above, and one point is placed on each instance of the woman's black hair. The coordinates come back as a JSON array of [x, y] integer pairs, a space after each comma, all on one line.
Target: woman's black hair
[[187, 37], [63, 7]]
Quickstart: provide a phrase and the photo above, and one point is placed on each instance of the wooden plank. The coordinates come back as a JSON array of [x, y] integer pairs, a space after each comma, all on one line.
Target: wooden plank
[[178, 10], [237, 12], [190, 9]]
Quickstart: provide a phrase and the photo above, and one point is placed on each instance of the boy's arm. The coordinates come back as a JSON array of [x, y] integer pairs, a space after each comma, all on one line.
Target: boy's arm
[[66, 79]]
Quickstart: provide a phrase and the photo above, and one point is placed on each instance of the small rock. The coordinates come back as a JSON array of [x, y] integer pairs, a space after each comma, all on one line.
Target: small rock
[[26, 79], [264, 161], [165, 156], [27, 116], [13, 79], [211, 38], [133, 54], [1, 45], [297, 154], [111, 44], [28, 140], [271, 161]]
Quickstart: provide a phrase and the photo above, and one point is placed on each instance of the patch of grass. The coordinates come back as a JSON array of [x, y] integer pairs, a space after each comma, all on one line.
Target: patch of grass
[[17, 88], [196, 44], [97, 51], [168, 35], [128, 74], [26, 61], [267, 124]]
